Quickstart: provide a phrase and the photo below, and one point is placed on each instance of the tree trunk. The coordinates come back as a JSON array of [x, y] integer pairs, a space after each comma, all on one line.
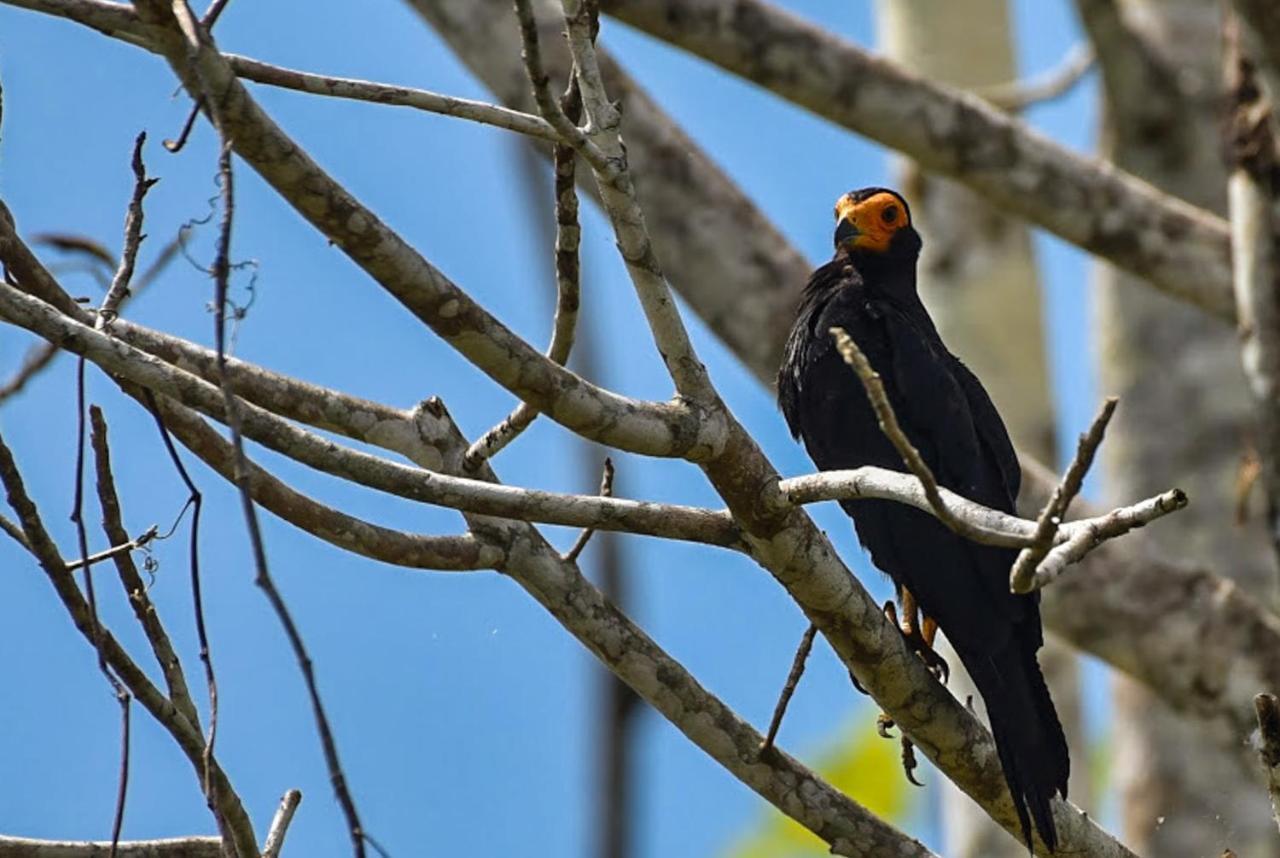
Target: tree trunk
[[979, 279], [1180, 794]]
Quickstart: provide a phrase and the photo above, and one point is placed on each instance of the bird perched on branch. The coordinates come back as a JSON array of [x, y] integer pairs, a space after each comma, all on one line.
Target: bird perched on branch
[[869, 290]]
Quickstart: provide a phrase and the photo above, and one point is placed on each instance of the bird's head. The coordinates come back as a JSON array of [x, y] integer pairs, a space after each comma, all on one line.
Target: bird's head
[[875, 223]]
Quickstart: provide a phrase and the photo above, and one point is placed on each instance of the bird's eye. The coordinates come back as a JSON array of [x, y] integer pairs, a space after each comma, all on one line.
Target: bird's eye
[[889, 214]]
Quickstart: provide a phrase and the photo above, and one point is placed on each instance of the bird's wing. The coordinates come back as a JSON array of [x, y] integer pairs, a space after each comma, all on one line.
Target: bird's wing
[[947, 414], [991, 430]]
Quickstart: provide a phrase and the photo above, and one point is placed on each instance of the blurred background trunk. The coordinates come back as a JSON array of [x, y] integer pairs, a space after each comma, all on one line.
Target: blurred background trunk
[[980, 280], [1180, 796]]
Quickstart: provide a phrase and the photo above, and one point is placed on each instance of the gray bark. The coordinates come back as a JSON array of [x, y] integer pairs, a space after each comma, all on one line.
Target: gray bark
[[1184, 416]]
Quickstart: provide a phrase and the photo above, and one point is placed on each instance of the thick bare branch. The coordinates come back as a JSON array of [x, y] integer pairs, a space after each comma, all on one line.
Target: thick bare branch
[[649, 428], [1253, 192], [618, 194], [456, 492], [440, 553], [558, 585], [1105, 606], [1179, 248], [679, 178], [568, 283], [177, 847]]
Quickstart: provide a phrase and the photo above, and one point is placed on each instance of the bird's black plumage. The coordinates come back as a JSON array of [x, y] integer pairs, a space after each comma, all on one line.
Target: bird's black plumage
[[869, 289]]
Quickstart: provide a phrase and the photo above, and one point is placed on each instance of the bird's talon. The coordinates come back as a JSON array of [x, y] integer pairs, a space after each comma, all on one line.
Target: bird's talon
[[883, 725], [909, 764]]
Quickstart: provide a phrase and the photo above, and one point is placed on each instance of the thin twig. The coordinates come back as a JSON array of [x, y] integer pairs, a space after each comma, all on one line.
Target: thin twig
[[1267, 709], [1081, 537], [1055, 83], [36, 359], [606, 490], [568, 287], [41, 355], [221, 277], [391, 94], [117, 687], [175, 145], [92, 250], [793, 679], [235, 824], [133, 237], [911, 457], [551, 110], [196, 501], [212, 14], [1023, 572], [134, 588], [280, 823], [15, 533], [115, 551]]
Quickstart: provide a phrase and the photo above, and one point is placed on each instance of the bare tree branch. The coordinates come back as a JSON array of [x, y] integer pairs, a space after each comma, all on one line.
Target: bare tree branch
[[134, 587], [625, 649], [617, 192], [1055, 83], [1024, 568], [401, 96], [133, 236], [36, 359], [1253, 191], [280, 824], [1105, 606], [606, 490], [177, 847], [457, 492], [789, 688], [1179, 248], [228, 810], [679, 177], [419, 286], [568, 282], [416, 551]]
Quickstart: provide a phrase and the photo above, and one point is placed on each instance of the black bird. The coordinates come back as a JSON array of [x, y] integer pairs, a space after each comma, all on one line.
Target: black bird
[[869, 289]]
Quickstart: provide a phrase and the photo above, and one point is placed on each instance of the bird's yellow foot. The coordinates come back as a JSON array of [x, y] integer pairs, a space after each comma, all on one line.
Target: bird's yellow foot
[[920, 632], [883, 725]]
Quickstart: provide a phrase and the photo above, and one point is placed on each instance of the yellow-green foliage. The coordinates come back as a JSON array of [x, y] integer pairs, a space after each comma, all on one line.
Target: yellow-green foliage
[[863, 766]]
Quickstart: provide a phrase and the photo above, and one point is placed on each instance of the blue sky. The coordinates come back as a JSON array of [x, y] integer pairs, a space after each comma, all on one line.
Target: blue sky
[[464, 714]]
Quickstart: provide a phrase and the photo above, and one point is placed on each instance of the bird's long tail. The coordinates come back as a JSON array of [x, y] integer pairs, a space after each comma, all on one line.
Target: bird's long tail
[[1028, 735]]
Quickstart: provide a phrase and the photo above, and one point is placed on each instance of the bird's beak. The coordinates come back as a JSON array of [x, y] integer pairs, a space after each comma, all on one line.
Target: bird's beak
[[846, 231]]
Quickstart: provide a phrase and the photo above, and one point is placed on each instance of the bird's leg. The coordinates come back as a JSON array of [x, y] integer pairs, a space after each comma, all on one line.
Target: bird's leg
[[883, 722], [920, 632]]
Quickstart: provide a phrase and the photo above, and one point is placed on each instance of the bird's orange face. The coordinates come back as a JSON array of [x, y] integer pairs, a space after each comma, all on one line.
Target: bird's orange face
[[871, 223]]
